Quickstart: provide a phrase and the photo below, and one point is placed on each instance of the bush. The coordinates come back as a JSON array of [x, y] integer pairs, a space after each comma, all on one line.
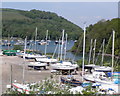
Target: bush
[[80, 62], [18, 47]]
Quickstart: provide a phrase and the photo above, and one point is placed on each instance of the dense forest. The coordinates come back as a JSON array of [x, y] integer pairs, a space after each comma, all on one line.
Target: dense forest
[[20, 23], [100, 31]]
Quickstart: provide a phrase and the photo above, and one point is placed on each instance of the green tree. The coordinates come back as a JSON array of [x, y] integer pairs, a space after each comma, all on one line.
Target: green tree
[[18, 47]]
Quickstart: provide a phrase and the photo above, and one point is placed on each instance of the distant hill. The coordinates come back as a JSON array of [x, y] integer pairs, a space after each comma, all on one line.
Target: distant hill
[[99, 31], [20, 23]]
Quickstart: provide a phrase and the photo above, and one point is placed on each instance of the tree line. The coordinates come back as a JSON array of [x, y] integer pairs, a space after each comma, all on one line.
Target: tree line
[[100, 31], [20, 23]]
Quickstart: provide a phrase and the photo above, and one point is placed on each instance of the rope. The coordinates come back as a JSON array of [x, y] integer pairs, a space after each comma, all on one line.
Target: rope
[[98, 54], [108, 43], [80, 39]]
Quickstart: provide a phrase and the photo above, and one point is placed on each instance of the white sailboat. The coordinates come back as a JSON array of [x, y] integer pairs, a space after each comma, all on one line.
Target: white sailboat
[[46, 60], [98, 74], [37, 65], [44, 42], [33, 56], [21, 87], [64, 65]]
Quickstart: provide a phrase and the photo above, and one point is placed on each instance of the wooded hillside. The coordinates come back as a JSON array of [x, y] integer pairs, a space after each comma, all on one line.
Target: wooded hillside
[[99, 31], [20, 23]]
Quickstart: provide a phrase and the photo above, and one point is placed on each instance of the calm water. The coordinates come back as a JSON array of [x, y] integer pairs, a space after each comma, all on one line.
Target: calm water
[[51, 48]]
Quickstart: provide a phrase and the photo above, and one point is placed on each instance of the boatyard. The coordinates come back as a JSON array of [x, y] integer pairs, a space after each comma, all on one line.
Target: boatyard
[[31, 72], [17, 71], [12, 72], [58, 50], [31, 75], [26, 71]]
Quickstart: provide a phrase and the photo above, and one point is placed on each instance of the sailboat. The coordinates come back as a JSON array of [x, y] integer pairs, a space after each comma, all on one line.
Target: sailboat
[[37, 65], [44, 42], [20, 87], [64, 65], [32, 55], [99, 75], [46, 59]]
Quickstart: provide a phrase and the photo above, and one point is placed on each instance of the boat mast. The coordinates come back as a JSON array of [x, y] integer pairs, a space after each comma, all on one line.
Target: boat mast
[[83, 52], [94, 51], [103, 52], [35, 39], [90, 51], [24, 60], [59, 49], [46, 42], [113, 50], [62, 45], [55, 51], [65, 47]]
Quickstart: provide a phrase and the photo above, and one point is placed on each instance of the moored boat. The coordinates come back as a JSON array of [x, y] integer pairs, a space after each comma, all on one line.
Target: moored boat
[[33, 56], [37, 65], [46, 60], [71, 81], [64, 66]]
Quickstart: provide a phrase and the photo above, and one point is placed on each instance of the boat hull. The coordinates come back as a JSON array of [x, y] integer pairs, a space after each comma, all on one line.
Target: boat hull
[[72, 82], [37, 65]]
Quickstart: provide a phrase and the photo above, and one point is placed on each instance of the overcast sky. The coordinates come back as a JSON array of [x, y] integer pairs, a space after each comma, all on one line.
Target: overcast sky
[[76, 12]]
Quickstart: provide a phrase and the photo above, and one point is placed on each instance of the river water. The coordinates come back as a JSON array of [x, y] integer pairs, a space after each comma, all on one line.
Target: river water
[[51, 48]]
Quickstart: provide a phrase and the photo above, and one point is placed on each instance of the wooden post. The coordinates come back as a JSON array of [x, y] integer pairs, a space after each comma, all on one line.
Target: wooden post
[[11, 76], [24, 60]]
